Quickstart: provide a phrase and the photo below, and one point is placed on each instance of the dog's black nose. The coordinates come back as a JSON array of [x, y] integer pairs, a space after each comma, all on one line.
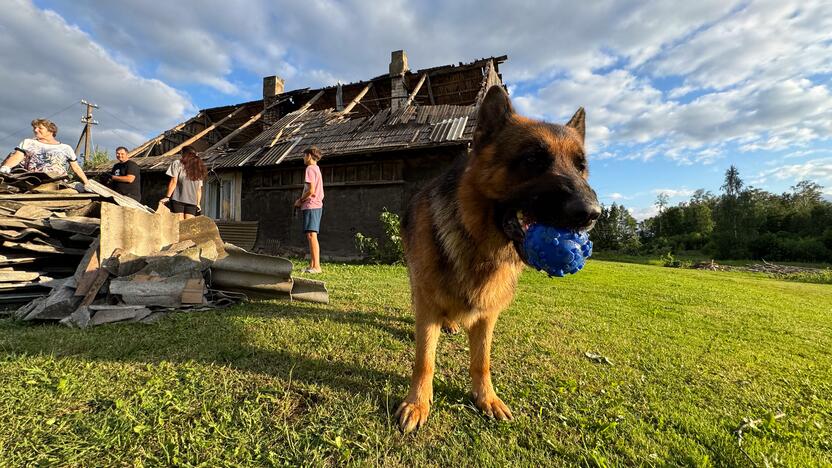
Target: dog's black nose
[[584, 212]]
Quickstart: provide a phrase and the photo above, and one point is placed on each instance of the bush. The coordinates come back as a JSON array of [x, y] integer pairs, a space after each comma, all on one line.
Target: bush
[[670, 261], [390, 250], [817, 277]]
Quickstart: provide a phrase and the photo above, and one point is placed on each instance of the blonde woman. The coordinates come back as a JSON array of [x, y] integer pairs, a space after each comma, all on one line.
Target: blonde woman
[[44, 153]]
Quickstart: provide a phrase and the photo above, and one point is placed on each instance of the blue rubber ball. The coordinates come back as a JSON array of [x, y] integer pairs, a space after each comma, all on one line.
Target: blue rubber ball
[[556, 251]]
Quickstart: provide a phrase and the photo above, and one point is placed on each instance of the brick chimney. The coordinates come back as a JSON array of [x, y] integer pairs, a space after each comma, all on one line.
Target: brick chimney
[[272, 86], [398, 68]]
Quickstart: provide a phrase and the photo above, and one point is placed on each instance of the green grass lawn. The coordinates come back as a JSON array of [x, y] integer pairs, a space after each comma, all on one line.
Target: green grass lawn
[[693, 353]]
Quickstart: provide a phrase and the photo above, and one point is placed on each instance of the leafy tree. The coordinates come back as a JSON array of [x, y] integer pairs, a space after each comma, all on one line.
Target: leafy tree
[[615, 229], [97, 159], [661, 202], [733, 183]]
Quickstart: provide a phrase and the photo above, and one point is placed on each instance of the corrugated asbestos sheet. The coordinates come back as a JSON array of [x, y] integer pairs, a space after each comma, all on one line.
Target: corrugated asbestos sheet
[[240, 233]]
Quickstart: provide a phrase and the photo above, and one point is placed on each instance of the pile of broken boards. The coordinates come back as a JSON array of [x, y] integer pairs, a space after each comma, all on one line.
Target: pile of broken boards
[[140, 265]]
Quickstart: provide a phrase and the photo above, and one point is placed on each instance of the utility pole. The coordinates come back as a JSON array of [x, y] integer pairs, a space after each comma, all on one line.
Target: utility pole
[[88, 122]]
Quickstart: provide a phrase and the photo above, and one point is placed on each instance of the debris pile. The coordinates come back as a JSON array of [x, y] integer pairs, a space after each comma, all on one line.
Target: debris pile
[[46, 226], [709, 265], [775, 269], [79, 259]]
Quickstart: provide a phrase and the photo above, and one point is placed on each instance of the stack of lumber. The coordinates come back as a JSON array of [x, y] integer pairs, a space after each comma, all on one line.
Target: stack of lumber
[[46, 226]]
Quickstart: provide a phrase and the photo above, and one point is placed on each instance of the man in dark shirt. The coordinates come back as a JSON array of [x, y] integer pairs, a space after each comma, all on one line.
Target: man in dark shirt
[[126, 177]]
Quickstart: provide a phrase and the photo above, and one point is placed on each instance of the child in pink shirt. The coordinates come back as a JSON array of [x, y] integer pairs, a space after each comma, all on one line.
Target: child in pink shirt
[[311, 204]]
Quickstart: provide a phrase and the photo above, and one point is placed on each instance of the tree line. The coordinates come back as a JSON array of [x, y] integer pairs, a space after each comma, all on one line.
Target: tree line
[[739, 223]]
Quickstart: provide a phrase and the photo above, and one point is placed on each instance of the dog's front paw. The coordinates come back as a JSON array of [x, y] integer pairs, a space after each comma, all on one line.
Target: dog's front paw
[[493, 407], [450, 327], [412, 415]]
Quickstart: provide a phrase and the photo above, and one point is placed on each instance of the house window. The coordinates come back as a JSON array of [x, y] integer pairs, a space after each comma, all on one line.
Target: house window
[[221, 199]]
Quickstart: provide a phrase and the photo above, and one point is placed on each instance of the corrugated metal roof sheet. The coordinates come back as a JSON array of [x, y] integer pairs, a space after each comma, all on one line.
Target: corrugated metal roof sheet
[[449, 129], [278, 152]]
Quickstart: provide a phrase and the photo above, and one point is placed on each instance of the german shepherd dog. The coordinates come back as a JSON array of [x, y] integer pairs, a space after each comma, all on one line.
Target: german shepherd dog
[[463, 237]]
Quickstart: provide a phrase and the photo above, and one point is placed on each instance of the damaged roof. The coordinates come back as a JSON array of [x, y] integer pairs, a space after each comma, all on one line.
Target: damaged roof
[[434, 107]]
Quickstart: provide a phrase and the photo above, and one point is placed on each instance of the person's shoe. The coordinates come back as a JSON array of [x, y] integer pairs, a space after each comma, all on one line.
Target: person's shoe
[[313, 271]]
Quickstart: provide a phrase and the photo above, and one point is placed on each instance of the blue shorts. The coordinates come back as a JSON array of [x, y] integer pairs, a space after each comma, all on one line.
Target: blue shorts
[[312, 219]]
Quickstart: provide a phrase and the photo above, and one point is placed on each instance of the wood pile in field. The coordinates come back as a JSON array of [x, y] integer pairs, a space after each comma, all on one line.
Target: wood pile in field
[[710, 266], [775, 269], [86, 259]]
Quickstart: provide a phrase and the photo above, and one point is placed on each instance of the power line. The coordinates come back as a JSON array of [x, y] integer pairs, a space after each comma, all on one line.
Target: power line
[[47, 117], [123, 137], [120, 120]]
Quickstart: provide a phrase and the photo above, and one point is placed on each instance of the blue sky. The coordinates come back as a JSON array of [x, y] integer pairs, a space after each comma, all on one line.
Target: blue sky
[[674, 92]]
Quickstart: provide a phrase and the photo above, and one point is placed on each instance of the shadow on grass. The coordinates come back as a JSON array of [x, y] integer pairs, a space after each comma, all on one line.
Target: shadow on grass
[[220, 337]]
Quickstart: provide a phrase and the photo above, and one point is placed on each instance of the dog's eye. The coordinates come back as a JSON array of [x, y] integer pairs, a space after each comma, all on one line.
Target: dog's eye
[[581, 165], [537, 160]]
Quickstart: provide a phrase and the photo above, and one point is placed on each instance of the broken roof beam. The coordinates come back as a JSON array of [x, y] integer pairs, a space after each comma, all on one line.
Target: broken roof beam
[[236, 132], [356, 100], [242, 127], [153, 141], [298, 113], [311, 101], [199, 135], [416, 90], [489, 79]]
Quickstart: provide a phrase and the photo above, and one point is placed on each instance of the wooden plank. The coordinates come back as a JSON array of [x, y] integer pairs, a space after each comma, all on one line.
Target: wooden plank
[[120, 199], [87, 270], [356, 100], [194, 291], [236, 132], [415, 90], [161, 136], [99, 280], [297, 113], [430, 93]]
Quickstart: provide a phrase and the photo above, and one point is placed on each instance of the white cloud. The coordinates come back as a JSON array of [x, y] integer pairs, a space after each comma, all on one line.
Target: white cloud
[[674, 193], [640, 214], [764, 41], [683, 81], [615, 196], [63, 65], [818, 170]]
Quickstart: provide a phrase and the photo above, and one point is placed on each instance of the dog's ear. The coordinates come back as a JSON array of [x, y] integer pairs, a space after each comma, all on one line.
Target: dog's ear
[[578, 122], [494, 111]]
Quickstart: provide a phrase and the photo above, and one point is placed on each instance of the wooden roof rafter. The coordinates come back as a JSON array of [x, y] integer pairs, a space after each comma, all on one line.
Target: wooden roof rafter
[[356, 100], [163, 135], [194, 138], [242, 127], [299, 112]]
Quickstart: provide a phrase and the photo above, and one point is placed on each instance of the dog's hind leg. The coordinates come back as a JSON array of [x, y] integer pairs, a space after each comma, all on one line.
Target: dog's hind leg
[[479, 341], [413, 412]]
